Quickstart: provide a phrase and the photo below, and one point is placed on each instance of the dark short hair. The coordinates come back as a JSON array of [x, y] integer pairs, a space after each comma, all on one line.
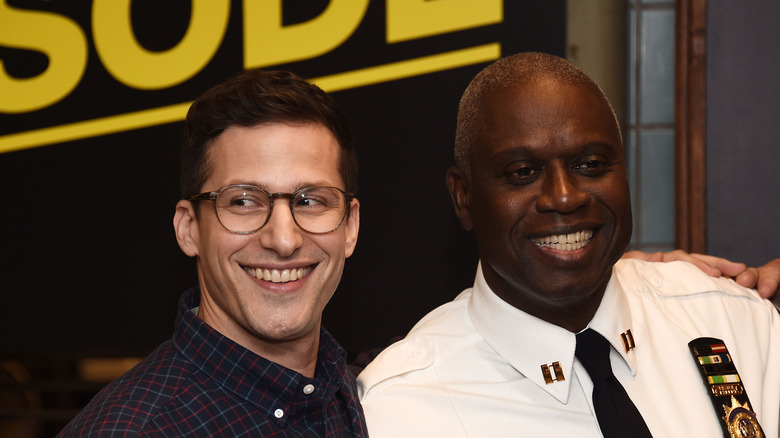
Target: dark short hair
[[505, 74], [255, 97]]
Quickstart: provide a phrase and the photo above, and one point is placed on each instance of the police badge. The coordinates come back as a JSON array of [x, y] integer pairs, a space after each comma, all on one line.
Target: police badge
[[726, 392]]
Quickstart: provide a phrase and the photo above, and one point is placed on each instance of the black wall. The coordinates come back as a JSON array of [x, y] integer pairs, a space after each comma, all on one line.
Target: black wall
[[743, 127]]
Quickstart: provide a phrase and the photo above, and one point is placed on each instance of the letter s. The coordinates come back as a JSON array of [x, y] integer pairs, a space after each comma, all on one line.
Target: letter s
[[60, 39]]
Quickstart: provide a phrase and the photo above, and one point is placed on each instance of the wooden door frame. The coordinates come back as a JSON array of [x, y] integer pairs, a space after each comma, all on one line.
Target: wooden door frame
[[690, 125]]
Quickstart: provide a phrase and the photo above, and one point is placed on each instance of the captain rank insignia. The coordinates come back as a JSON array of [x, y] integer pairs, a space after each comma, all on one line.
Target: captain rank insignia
[[552, 372]]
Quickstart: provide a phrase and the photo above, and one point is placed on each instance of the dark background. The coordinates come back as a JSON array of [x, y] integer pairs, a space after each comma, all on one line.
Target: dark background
[[90, 265], [743, 125]]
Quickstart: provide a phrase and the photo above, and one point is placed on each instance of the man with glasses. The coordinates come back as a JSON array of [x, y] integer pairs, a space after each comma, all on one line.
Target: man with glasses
[[268, 171]]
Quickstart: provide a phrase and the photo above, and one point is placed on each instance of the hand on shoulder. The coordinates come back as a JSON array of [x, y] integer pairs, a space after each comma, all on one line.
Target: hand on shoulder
[[765, 278]]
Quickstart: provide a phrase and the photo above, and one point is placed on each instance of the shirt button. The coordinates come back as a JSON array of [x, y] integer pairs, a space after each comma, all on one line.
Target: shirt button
[[278, 413], [308, 389]]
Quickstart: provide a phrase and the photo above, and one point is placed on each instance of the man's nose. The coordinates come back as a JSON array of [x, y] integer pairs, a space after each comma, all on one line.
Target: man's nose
[[281, 234], [561, 191]]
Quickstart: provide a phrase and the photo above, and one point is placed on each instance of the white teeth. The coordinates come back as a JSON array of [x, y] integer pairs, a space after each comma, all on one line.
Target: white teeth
[[277, 276], [565, 242]]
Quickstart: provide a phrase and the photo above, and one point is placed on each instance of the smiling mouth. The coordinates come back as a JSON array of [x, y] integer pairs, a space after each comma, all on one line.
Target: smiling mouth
[[565, 242], [277, 275]]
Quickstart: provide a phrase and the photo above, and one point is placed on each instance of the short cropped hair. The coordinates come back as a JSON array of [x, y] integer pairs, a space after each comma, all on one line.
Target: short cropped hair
[[504, 74], [255, 97]]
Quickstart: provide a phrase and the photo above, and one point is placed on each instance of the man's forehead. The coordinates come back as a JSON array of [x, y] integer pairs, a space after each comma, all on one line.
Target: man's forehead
[[531, 114], [299, 152], [538, 88], [545, 104]]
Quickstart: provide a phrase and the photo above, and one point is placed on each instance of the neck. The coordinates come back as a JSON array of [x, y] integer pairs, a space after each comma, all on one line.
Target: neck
[[572, 319], [298, 353], [572, 314]]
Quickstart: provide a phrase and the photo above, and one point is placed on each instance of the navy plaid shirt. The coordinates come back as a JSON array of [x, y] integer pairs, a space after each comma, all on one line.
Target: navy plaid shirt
[[201, 384]]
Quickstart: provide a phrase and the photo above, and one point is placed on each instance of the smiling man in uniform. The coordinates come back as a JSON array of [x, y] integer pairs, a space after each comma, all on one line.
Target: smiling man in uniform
[[531, 349]]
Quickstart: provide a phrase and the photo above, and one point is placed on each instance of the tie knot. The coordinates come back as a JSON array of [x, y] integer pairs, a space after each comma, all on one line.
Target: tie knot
[[593, 352], [615, 412]]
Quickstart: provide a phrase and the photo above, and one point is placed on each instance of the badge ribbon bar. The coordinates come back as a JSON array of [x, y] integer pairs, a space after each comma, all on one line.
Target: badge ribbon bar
[[727, 394]]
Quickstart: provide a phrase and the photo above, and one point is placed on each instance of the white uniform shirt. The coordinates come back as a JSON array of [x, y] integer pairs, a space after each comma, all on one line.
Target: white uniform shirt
[[473, 367]]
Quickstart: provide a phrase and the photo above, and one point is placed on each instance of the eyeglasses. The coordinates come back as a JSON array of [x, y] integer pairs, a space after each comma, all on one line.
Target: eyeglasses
[[245, 209]]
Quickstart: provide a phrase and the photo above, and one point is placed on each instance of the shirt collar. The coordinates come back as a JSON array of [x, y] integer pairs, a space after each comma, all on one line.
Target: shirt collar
[[613, 320], [248, 375], [530, 344]]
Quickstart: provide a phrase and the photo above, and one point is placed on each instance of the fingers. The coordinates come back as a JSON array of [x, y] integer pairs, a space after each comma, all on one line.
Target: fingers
[[725, 267], [749, 278], [708, 264], [766, 278]]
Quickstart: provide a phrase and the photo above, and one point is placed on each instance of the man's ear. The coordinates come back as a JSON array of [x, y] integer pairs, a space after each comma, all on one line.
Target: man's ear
[[461, 197], [352, 227], [185, 224]]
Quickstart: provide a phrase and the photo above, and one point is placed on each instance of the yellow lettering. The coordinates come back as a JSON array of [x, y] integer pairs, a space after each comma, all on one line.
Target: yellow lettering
[[133, 65], [410, 19], [57, 37], [267, 42]]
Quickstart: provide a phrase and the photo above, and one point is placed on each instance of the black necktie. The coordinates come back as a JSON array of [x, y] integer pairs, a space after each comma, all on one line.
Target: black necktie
[[615, 412]]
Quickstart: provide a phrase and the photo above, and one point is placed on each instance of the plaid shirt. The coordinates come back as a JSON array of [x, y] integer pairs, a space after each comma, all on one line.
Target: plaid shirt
[[201, 384]]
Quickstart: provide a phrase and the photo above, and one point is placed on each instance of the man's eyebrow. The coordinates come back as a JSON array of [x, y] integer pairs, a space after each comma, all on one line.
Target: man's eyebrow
[[599, 144], [529, 152], [294, 187]]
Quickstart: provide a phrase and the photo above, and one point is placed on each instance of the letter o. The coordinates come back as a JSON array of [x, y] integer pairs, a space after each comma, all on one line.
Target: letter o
[[133, 65]]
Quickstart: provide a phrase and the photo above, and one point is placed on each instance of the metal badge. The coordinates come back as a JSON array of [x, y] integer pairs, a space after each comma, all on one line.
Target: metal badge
[[741, 420], [726, 392]]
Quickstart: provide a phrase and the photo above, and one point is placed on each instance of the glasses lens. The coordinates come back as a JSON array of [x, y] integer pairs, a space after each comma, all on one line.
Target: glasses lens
[[242, 209], [319, 209]]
